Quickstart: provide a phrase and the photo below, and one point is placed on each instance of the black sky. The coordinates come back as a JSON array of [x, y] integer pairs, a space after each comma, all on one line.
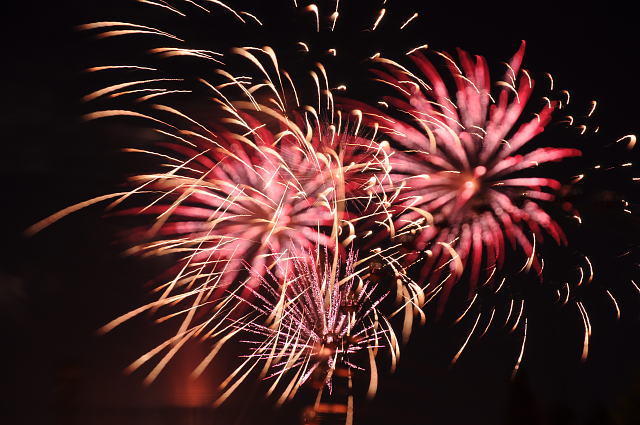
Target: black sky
[[57, 288]]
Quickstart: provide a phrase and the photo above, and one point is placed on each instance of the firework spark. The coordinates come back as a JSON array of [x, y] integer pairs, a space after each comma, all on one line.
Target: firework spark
[[461, 170], [319, 322], [256, 203], [237, 193], [271, 181]]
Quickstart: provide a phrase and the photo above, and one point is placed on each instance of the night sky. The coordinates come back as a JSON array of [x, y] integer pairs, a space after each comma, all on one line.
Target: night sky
[[58, 287]]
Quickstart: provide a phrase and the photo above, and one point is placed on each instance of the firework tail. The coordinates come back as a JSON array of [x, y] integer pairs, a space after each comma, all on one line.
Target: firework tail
[[331, 409]]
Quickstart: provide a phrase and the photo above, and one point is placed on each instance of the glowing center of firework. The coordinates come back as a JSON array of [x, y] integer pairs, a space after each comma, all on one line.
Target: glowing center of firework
[[467, 186], [327, 346], [471, 183], [279, 220], [470, 186], [469, 195]]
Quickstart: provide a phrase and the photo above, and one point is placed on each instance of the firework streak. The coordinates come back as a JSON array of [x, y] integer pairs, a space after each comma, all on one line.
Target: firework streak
[[235, 198], [460, 193], [317, 323], [263, 202]]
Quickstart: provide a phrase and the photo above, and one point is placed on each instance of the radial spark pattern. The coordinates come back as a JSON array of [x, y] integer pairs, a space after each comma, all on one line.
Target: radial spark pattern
[[234, 194], [320, 323], [464, 191]]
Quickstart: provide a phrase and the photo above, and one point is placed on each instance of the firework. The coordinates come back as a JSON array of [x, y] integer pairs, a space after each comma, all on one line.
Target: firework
[[319, 324], [239, 201], [237, 193], [255, 202], [464, 190], [270, 182]]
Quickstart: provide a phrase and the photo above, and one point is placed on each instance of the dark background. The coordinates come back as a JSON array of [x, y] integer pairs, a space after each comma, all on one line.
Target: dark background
[[57, 288]]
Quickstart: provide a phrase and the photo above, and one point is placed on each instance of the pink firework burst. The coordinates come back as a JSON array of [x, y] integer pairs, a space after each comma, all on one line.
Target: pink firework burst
[[235, 207], [231, 197], [462, 191], [257, 184], [250, 198]]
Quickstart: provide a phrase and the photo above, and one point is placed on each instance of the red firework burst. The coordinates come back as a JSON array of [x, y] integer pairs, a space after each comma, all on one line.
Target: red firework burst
[[250, 198], [237, 194], [459, 170]]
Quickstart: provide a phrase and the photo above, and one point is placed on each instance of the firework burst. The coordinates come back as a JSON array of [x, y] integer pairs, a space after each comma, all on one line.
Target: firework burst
[[240, 201], [255, 200], [271, 181], [464, 191], [319, 323], [237, 193]]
